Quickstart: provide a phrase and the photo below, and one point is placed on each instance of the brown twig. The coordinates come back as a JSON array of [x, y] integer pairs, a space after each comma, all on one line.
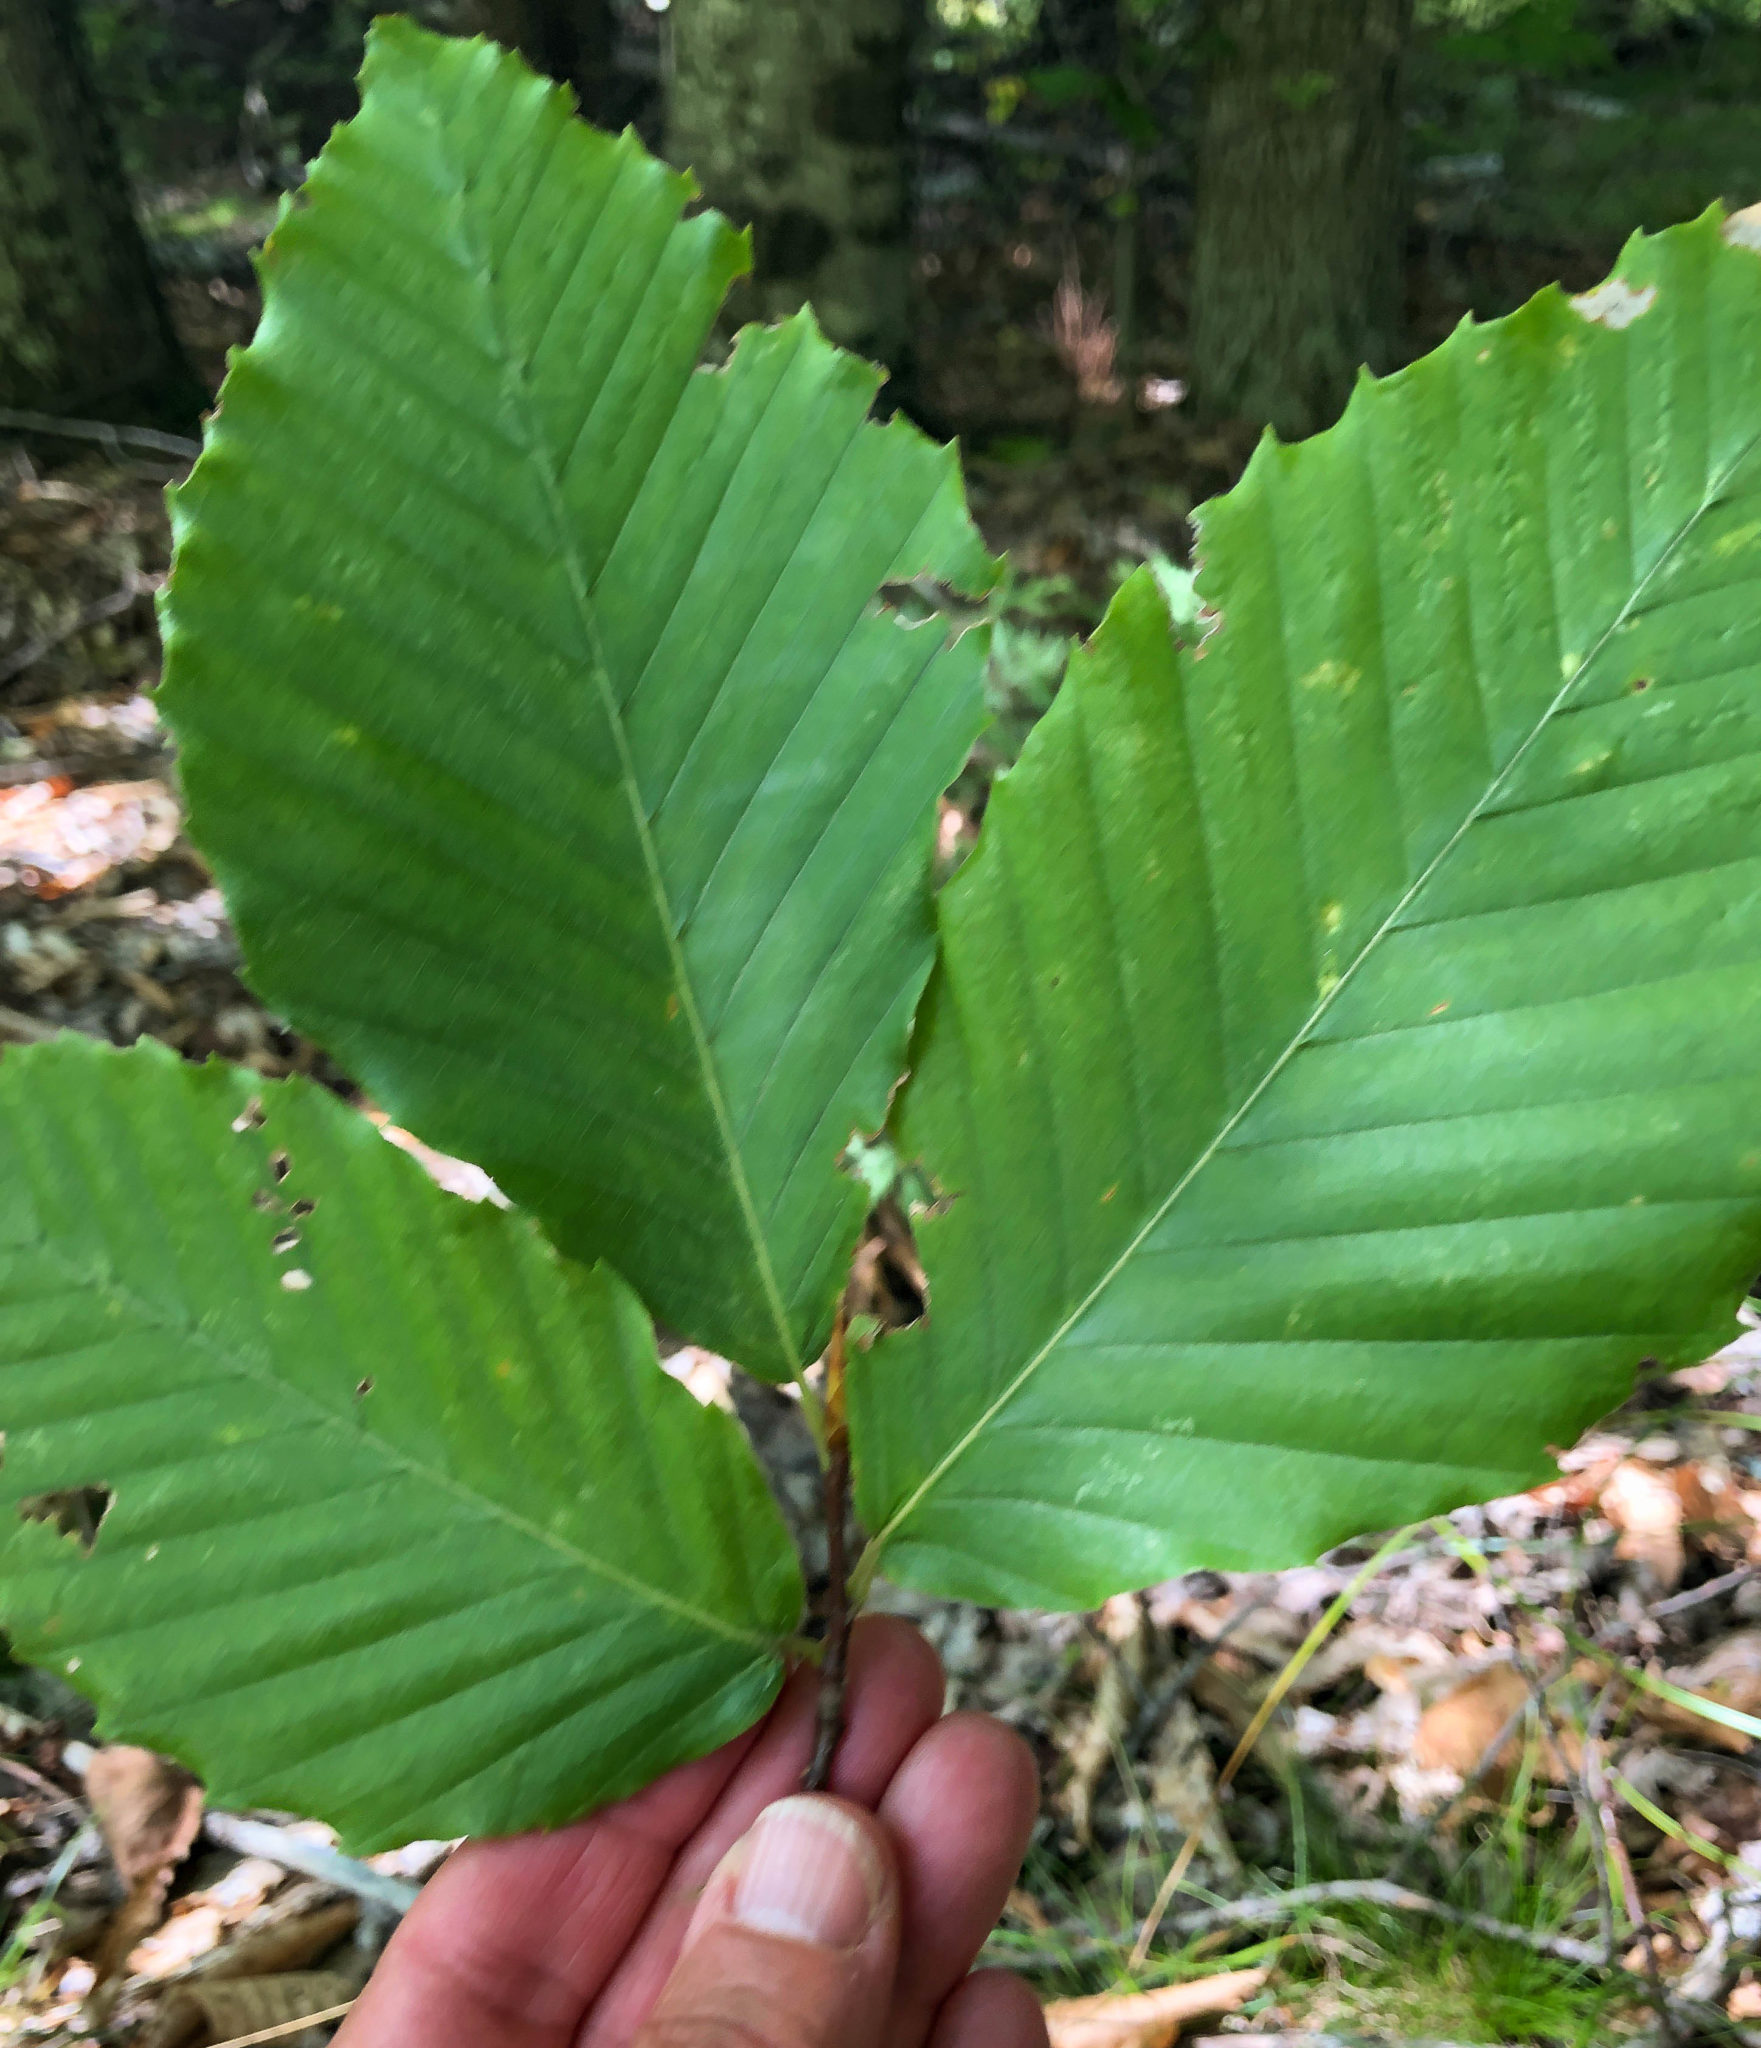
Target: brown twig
[[24, 1773], [17, 1028], [1595, 1809], [1679, 1603], [14, 419], [1371, 1891], [1293, 1669], [829, 1723], [110, 607], [1268, 1910]]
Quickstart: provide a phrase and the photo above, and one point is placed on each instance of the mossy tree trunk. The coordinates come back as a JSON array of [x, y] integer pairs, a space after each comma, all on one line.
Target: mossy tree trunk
[[82, 326], [1299, 237], [792, 114]]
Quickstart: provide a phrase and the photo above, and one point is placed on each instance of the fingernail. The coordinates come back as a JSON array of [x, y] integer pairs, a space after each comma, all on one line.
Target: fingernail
[[809, 1873]]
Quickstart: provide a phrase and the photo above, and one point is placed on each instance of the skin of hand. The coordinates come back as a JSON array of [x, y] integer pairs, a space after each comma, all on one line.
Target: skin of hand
[[720, 1908]]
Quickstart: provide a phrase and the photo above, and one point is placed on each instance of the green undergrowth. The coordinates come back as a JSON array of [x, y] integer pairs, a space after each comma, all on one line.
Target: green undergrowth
[[1351, 1968], [1376, 1970]]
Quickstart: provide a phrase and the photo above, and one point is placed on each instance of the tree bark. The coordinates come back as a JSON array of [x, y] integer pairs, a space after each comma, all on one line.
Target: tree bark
[[792, 115], [1299, 238], [572, 41], [83, 328]]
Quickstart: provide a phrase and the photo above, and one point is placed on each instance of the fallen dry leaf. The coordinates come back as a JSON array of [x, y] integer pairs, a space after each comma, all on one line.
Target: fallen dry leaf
[[287, 1944], [1227, 1687], [1183, 1782], [1646, 1507], [217, 2010], [184, 1936], [1456, 1731], [200, 1922], [1388, 1657], [149, 1811], [1730, 1673], [1023, 1906], [1147, 2019], [54, 837], [1092, 1743]]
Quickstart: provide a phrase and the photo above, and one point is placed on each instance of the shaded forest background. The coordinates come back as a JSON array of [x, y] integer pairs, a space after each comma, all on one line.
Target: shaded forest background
[[1104, 241]]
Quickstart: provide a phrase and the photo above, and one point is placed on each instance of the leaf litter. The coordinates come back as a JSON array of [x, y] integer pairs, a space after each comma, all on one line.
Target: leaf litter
[[1508, 1724]]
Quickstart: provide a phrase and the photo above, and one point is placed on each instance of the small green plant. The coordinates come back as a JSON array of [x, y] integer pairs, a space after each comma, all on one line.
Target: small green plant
[[1336, 1075]]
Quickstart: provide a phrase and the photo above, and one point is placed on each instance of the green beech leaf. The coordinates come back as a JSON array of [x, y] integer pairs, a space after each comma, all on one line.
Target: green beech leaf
[[1343, 1068], [408, 1529], [563, 771]]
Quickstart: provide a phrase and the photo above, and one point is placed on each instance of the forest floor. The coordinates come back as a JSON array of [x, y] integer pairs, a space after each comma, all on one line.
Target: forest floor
[[1499, 1787]]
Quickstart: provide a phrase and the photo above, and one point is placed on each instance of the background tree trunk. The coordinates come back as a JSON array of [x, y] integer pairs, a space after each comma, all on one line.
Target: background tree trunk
[[792, 114], [82, 326], [1299, 237], [573, 41]]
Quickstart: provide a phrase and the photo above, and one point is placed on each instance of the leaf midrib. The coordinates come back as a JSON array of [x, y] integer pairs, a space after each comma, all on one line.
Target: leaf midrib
[[190, 1331], [517, 393], [869, 1562]]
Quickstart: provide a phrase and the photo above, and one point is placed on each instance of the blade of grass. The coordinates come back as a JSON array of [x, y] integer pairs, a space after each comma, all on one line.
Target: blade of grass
[[1293, 1670], [1661, 1688], [1666, 1824], [38, 1911]]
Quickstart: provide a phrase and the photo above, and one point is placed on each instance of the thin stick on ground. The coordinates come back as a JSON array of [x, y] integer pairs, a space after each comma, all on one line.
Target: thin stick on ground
[[286, 2027], [829, 1725], [14, 419], [1401, 1540], [1375, 1891], [1272, 1907], [312, 1859]]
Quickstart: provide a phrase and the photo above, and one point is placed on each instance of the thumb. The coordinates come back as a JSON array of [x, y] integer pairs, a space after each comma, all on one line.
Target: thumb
[[795, 1940]]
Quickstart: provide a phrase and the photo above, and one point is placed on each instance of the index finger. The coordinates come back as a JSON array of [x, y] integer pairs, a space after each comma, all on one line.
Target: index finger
[[512, 1940]]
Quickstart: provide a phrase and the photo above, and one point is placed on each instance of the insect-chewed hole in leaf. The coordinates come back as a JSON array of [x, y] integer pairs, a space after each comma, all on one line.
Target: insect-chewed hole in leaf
[[280, 1165], [887, 1280], [921, 599], [296, 1280], [77, 1511], [1641, 682], [266, 1199], [250, 1118], [364, 1387], [283, 1241], [304, 1206]]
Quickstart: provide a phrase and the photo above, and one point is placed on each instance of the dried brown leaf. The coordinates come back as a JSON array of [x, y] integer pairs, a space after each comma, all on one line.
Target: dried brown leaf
[[1091, 1745], [288, 1944], [1147, 2019], [216, 2010], [148, 1809], [1183, 1782], [1730, 1672], [1457, 1730], [1646, 1507]]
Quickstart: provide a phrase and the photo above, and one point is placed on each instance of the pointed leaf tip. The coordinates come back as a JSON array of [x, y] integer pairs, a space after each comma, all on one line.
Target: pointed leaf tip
[[425, 1545], [552, 670], [1343, 1038]]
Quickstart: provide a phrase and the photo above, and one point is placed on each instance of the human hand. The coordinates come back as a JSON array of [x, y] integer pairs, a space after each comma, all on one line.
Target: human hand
[[671, 1919]]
